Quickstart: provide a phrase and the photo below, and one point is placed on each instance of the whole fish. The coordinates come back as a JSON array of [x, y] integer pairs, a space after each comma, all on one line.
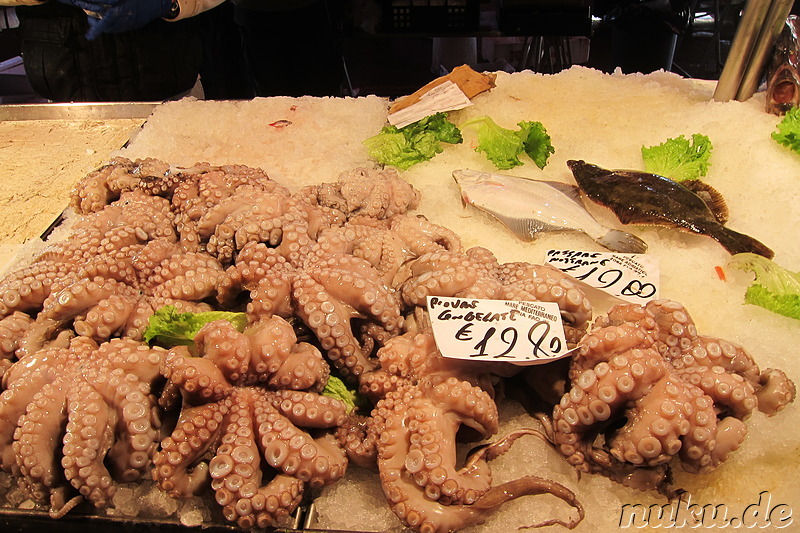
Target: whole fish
[[642, 198], [783, 71], [529, 207]]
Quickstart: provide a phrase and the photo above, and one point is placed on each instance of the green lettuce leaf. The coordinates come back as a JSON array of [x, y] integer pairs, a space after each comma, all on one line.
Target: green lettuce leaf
[[536, 142], [774, 288], [336, 388], [788, 132], [412, 144], [503, 146], [679, 159], [169, 327]]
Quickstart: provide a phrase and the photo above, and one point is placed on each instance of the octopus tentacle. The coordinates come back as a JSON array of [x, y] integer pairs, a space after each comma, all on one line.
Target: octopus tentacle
[[88, 438], [226, 348], [278, 360], [359, 443], [176, 466], [109, 317], [70, 302], [137, 423], [419, 511], [12, 328], [26, 289], [332, 293], [600, 391], [775, 391], [422, 236], [235, 469], [13, 404], [729, 391], [199, 378], [445, 273], [308, 410], [545, 283], [36, 440], [189, 276], [294, 452]]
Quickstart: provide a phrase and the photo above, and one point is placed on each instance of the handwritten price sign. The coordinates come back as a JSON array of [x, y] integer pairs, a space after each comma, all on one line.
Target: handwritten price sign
[[524, 333], [632, 277]]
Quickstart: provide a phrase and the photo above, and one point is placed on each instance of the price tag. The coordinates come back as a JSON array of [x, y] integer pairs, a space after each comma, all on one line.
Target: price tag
[[523, 333], [631, 277]]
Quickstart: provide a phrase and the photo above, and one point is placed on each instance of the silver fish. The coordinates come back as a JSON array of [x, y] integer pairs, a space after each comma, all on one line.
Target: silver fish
[[529, 207]]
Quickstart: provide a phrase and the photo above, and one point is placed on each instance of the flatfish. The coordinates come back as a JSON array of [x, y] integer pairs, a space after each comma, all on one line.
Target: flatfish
[[643, 198], [529, 207]]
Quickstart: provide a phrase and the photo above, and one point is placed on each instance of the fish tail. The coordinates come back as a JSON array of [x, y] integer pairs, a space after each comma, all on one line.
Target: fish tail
[[622, 242], [736, 242]]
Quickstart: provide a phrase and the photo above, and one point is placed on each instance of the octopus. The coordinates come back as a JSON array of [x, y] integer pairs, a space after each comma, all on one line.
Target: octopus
[[646, 387], [333, 279], [78, 419], [377, 194], [476, 273], [115, 293], [245, 399], [341, 291], [411, 436], [106, 278]]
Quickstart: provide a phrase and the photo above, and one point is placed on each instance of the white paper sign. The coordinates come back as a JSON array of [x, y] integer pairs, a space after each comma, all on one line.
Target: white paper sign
[[523, 333], [631, 277], [447, 96]]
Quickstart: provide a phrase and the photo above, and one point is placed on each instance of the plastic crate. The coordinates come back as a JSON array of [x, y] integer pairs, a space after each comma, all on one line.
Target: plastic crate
[[431, 16]]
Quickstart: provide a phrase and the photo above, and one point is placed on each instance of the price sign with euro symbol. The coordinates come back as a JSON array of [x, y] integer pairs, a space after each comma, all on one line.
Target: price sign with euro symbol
[[523, 333], [630, 277]]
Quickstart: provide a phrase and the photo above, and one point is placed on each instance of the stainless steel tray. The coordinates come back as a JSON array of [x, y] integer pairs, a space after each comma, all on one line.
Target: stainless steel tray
[[77, 111]]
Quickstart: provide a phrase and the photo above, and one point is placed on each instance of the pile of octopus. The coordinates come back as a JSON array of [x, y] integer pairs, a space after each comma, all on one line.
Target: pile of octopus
[[331, 280]]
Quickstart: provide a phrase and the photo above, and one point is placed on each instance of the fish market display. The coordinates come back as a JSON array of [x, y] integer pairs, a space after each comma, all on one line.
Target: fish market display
[[328, 278], [344, 259], [529, 207], [783, 77], [643, 198]]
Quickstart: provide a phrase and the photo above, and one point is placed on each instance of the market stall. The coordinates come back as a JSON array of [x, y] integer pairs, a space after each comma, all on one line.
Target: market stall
[[599, 118]]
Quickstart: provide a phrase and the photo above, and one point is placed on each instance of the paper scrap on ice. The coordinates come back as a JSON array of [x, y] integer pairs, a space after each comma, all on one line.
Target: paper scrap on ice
[[446, 96]]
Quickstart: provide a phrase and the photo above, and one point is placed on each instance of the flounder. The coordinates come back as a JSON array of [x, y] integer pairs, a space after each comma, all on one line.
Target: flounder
[[529, 207], [643, 198]]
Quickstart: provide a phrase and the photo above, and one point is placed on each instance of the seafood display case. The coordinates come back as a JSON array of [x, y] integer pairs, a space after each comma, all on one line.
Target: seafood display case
[[301, 143]]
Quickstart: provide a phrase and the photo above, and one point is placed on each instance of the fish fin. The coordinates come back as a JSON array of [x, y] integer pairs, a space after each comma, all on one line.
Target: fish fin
[[622, 242], [712, 197], [631, 216], [524, 228], [573, 192], [736, 242]]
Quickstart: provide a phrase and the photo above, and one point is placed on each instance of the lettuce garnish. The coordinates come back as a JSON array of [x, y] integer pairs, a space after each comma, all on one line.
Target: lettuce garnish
[[788, 133], [775, 288], [169, 327], [412, 144], [336, 388], [679, 159], [503, 146]]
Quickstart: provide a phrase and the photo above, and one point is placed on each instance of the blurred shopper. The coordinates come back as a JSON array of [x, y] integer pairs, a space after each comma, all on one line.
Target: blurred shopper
[[115, 50], [155, 61], [289, 47]]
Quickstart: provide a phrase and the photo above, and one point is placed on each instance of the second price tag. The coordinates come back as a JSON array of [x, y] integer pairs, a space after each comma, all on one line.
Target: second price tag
[[523, 333]]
